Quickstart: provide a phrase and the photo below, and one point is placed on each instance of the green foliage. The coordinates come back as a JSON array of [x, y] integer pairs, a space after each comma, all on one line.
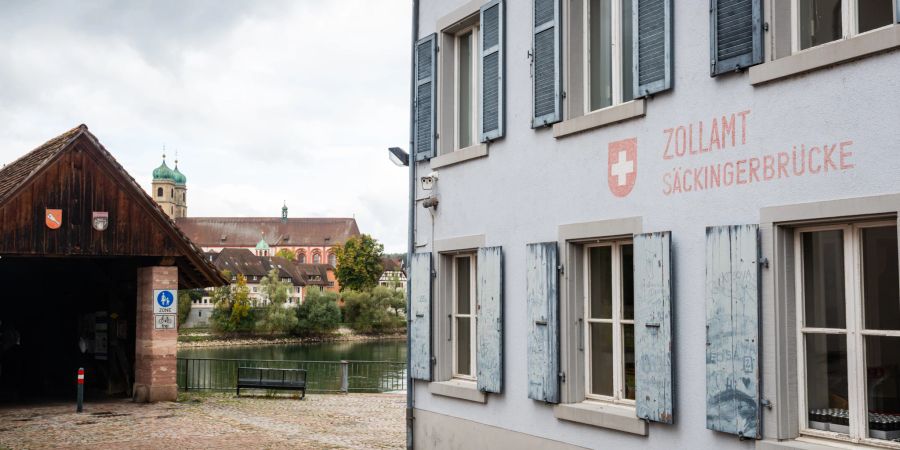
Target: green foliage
[[359, 263], [286, 254], [276, 317], [374, 311], [231, 310], [319, 314], [187, 298]]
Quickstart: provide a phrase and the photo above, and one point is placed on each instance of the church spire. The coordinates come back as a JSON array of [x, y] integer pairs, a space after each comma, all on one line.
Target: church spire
[[284, 213]]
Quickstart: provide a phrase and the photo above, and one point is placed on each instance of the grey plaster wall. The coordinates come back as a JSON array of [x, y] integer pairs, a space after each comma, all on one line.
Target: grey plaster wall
[[530, 183]]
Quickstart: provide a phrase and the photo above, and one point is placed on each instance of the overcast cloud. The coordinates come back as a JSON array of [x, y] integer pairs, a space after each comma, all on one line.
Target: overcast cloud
[[264, 101]]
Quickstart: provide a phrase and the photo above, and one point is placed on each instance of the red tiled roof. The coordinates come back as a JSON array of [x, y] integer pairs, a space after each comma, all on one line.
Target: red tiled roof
[[247, 231]]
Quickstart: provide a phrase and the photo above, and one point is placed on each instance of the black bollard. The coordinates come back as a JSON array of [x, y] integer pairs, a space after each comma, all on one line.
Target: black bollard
[[80, 390]]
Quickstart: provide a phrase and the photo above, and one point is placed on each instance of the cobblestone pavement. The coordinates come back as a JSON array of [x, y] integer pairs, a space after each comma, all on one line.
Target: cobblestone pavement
[[220, 421]]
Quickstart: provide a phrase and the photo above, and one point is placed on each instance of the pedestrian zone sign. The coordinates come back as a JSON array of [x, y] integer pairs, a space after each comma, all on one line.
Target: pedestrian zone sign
[[165, 302]]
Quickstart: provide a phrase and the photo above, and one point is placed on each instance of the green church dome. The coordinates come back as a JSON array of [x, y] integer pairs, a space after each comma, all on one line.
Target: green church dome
[[179, 177], [163, 172], [262, 245]]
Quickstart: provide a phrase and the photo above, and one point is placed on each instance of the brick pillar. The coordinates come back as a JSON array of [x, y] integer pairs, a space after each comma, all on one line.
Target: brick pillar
[[154, 356]]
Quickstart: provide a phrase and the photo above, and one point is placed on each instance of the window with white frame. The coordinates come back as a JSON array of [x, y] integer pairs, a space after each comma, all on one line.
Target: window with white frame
[[848, 334], [608, 53], [609, 317], [463, 326], [817, 22], [466, 87]]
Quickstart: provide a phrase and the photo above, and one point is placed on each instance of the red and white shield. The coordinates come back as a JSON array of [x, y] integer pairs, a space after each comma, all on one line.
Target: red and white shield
[[622, 171]]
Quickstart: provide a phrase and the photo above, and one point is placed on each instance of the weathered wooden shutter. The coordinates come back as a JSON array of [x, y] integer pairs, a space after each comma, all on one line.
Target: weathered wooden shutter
[[542, 298], [735, 35], [732, 330], [424, 138], [652, 43], [491, 102], [653, 326], [546, 64], [420, 326], [489, 327]]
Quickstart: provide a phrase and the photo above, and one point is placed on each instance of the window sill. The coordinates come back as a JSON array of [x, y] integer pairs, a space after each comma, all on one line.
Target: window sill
[[614, 417], [600, 118], [825, 55], [804, 443], [463, 390], [464, 154]]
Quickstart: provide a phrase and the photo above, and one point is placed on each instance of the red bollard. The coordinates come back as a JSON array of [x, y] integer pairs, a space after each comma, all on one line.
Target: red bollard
[[80, 389]]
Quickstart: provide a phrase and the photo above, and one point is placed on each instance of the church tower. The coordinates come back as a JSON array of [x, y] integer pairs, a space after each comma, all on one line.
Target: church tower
[[169, 189]]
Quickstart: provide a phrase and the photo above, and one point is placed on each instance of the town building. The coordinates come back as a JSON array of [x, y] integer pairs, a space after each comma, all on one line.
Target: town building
[[393, 275], [655, 224], [312, 240], [92, 267], [254, 267]]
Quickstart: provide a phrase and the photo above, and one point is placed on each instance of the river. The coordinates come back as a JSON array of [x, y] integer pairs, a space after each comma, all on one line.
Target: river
[[216, 367], [384, 350]]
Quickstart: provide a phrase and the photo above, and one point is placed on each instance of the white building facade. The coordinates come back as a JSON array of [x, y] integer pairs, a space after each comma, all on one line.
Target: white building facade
[[658, 225]]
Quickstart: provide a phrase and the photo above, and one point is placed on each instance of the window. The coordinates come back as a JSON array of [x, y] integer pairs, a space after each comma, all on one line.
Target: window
[[317, 258], [608, 51], [817, 22], [172, 194], [463, 328], [159, 192], [466, 87], [332, 259], [301, 258], [253, 289], [609, 316], [849, 330]]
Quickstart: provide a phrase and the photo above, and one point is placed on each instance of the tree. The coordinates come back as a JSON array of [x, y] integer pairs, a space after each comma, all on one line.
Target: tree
[[359, 263], [276, 318], [231, 311], [318, 314], [368, 311], [186, 298], [286, 254]]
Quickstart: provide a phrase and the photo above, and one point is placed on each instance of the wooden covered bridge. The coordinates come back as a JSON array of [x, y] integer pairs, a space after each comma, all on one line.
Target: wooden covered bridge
[[89, 269]]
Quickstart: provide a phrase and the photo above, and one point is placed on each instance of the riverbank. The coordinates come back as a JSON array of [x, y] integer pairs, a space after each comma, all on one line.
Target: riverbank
[[207, 339]]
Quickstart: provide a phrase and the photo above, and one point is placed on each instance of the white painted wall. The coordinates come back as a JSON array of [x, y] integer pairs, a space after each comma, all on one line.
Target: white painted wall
[[531, 183]]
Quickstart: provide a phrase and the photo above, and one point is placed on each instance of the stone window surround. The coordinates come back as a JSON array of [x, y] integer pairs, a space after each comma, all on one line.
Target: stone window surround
[[574, 405], [447, 26], [781, 63], [444, 384], [576, 120], [779, 358]]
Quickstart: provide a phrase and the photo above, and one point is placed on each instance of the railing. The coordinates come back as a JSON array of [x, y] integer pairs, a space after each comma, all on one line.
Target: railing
[[322, 376]]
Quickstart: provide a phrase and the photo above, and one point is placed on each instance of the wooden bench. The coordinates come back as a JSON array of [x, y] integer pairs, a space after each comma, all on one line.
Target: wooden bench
[[266, 378]]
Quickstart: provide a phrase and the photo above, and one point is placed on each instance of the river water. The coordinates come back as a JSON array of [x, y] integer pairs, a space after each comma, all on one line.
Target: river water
[[375, 366], [383, 350]]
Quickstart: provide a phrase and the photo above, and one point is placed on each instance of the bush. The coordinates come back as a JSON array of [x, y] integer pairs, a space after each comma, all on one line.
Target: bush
[[276, 317], [318, 314], [374, 311], [232, 307]]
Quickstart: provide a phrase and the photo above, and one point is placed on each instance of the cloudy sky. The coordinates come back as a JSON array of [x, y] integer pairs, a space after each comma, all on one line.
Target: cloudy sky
[[264, 101]]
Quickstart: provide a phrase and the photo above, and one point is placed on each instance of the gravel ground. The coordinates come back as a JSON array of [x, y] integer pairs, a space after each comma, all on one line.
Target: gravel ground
[[220, 421]]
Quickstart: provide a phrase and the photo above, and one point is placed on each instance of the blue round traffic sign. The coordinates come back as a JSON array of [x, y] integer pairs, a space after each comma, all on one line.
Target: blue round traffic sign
[[165, 299]]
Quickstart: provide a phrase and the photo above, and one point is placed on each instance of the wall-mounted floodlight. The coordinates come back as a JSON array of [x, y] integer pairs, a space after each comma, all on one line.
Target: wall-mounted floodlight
[[398, 156]]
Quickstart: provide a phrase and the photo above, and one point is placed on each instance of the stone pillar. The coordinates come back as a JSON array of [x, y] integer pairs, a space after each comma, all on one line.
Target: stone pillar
[[154, 357]]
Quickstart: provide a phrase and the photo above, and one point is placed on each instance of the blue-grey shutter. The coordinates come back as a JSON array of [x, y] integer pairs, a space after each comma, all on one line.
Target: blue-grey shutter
[[425, 136], [420, 316], [897, 11], [652, 43], [732, 330], [546, 63], [542, 299], [489, 323], [491, 101], [735, 35], [653, 326]]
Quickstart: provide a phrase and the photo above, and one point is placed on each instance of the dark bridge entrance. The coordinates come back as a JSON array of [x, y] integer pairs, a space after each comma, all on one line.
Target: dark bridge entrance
[[83, 253]]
